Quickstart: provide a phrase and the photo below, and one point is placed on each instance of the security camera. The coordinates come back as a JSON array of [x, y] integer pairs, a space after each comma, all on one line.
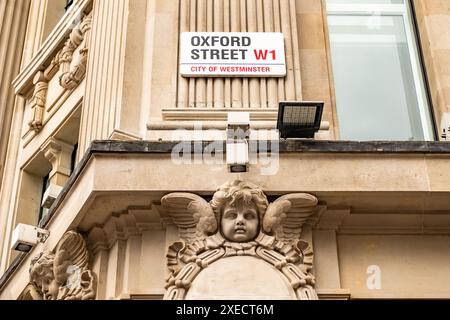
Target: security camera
[[237, 157], [25, 237], [238, 135]]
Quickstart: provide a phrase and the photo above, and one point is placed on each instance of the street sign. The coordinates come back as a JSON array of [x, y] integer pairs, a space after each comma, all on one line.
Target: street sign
[[232, 54]]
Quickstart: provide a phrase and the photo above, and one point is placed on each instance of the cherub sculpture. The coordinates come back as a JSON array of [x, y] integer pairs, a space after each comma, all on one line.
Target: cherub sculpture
[[62, 274], [239, 221]]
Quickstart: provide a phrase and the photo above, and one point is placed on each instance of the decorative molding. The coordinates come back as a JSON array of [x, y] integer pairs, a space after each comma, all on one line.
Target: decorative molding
[[249, 226], [122, 226], [217, 114], [330, 219], [120, 135], [334, 294], [62, 274], [217, 118]]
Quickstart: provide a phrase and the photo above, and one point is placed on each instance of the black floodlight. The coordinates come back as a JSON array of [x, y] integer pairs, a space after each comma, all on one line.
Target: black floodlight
[[299, 119]]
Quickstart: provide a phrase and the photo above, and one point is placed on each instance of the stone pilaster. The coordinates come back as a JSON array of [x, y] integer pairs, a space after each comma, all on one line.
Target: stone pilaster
[[112, 101], [13, 23], [13, 20]]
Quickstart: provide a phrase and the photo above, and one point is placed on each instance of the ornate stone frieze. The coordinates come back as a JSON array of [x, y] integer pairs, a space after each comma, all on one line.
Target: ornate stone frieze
[[240, 222], [63, 274]]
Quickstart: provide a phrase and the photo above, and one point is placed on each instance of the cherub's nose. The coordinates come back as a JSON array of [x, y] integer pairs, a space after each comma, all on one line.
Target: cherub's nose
[[240, 221]]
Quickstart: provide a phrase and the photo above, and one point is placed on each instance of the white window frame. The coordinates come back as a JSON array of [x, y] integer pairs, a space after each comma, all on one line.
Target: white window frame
[[404, 11]]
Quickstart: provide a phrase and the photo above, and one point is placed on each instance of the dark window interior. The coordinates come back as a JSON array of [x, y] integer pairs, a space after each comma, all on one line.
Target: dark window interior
[[68, 4]]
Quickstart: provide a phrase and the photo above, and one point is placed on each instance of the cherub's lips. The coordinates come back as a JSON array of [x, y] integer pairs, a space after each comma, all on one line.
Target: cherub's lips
[[240, 230]]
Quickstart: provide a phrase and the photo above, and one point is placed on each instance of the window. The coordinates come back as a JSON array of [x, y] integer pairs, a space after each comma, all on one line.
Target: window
[[51, 15], [379, 84], [42, 210]]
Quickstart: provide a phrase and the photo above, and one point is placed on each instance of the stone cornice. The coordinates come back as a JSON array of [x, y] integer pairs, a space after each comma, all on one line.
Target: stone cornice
[[52, 44], [288, 146]]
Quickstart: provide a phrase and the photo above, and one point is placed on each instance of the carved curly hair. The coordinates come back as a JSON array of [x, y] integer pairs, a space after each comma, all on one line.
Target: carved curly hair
[[236, 192], [42, 267]]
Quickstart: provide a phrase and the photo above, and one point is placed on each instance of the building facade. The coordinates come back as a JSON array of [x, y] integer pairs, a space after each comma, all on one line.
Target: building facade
[[120, 157]]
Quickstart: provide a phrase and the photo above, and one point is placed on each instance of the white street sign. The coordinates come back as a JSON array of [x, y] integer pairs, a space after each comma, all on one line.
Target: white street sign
[[230, 54]]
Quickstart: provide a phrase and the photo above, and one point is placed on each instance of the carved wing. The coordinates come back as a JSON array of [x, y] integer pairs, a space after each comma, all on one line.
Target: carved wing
[[71, 253], [71, 269], [192, 214], [285, 216]]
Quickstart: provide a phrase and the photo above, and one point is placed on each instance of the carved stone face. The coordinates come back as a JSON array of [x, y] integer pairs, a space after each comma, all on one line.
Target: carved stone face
[[41, 274], [50, 290], [240, 223], [47, 283]]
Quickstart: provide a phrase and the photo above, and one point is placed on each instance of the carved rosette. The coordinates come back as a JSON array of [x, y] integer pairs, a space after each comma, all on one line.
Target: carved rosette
[[62, 274], [278, 243]]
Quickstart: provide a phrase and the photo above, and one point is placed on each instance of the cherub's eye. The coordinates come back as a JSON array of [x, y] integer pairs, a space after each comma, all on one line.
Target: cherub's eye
[[250, 215], [231, 215]]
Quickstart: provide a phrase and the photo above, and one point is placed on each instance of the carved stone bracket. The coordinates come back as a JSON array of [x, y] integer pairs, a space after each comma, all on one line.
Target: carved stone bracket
[[62, 274], [59, 154], [38, 101], [71, 77]]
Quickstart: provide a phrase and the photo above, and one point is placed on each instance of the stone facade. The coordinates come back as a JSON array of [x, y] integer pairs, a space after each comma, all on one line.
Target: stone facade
[[91, 100]]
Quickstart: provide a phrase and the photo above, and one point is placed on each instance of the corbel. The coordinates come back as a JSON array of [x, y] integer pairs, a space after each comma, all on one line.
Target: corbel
[[72, 76], [59, 154], [38, 101]]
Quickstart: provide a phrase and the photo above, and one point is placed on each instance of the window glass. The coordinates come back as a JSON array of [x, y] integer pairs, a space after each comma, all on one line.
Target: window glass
[[380, 93], [45, 184]]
